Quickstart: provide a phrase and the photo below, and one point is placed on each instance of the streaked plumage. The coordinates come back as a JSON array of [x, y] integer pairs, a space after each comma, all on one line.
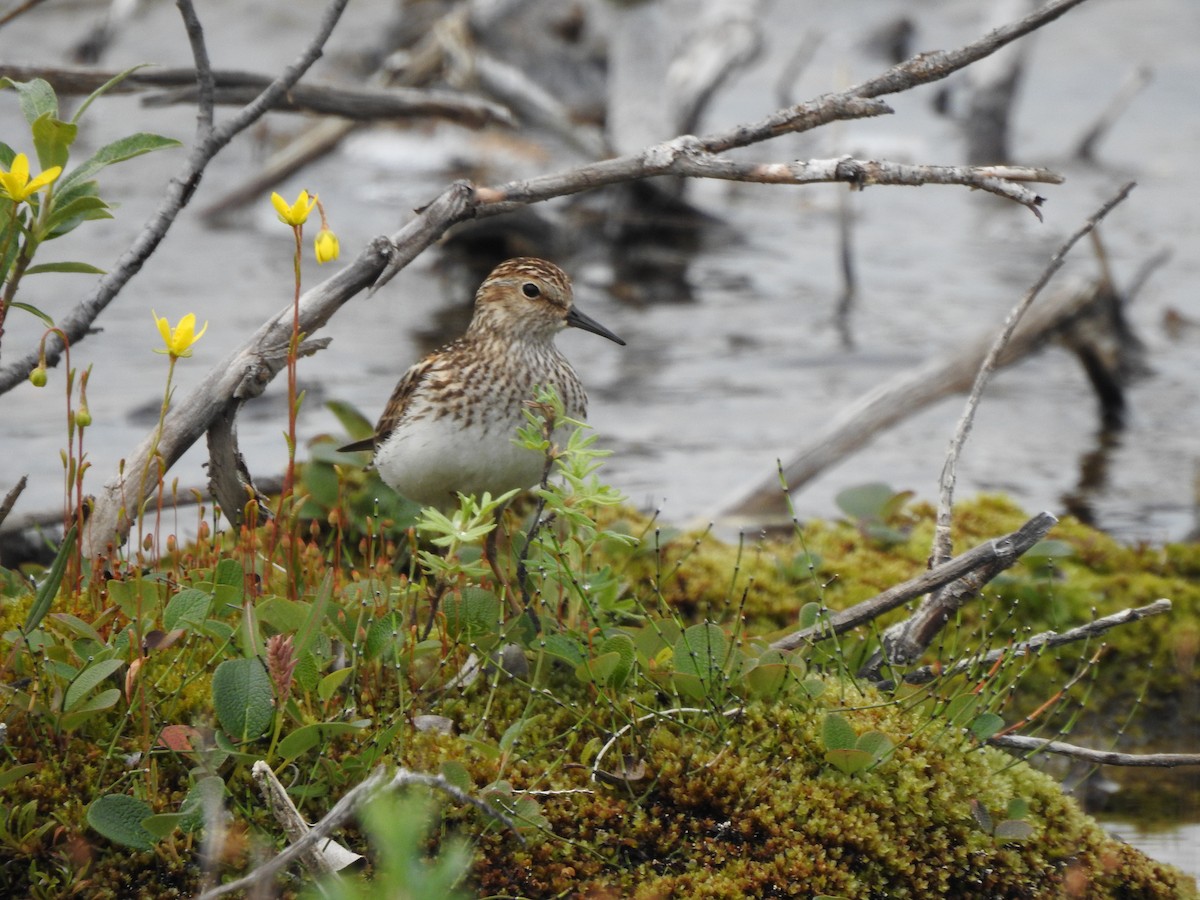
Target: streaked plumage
[[450, 423]]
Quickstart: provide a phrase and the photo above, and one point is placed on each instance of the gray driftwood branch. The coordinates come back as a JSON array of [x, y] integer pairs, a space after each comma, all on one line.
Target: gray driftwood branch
[[1004, 550], [1033, 745], [239, 88], [904, 642]]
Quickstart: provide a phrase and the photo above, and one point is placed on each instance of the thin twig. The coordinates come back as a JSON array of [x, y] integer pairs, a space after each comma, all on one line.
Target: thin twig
[[1045, 639], [342, 810], [942, 542], [1101, 757], [205, 82], [10, 498]]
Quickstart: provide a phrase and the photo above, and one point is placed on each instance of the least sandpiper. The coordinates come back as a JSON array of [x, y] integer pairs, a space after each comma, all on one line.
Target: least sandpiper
[[451, 424]]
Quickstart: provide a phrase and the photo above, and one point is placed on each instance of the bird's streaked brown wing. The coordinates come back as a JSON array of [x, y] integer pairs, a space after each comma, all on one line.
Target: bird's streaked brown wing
[[398, 405]]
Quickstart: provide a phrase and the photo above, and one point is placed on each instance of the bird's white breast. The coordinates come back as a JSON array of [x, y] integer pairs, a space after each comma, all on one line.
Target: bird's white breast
[[429, 461]]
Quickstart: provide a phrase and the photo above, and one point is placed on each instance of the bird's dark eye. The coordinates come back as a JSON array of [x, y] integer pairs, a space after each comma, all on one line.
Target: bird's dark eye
[[531, 290]]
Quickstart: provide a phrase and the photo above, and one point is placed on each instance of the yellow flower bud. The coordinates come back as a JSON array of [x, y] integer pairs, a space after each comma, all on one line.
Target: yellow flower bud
[[83, 417], [326, 246], [38, 376]]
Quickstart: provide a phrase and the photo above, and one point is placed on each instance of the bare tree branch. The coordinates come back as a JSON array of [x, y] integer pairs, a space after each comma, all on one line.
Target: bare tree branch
[[941, 537], [238, 88], [1100, 757], [1007, 549], [1038, 642], [1134, 84]]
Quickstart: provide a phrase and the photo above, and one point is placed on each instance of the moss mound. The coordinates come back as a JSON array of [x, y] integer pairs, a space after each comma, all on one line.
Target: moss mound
[[749, 806]]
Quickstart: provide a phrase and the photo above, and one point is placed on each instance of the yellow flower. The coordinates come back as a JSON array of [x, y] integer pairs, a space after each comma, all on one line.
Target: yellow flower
[[297, 213], [179, 340], [326, 246], [15, 183]]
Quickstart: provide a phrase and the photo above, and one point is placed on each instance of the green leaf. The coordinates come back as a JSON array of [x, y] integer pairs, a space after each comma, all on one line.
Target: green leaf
[[53, 139], [162, 824], [564, 648], [384, 635], [118, 151], [985, 725], [701, 651], [105, 88], [300, 741], [88, 680], [308, 670], [36, 97], [598, 669], [316, 615], [513, 732], [75, 268], [73, 208], [622, 645], [837, 733], [33, 310], [1018, 808], [766, 680], [49, 588], [849, 761], [230, 575], [876, 743], [284, 615], [210, 791], [119, 818], [308, 736], [14, 773], [809, 613], [471, 613], [242, 697], [865, 501], [331, 682], [456, 773], [188, 609], [356, 425]]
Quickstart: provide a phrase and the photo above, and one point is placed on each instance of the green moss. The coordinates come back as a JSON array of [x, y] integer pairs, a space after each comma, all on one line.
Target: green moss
[[748, 807], [744, 806]]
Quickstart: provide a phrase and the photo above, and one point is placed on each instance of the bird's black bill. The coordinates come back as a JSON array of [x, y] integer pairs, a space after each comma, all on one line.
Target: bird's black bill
[[576, 319]]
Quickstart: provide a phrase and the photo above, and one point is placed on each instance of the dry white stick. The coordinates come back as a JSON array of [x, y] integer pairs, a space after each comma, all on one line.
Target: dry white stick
[[1100, 757], [343, 810]]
